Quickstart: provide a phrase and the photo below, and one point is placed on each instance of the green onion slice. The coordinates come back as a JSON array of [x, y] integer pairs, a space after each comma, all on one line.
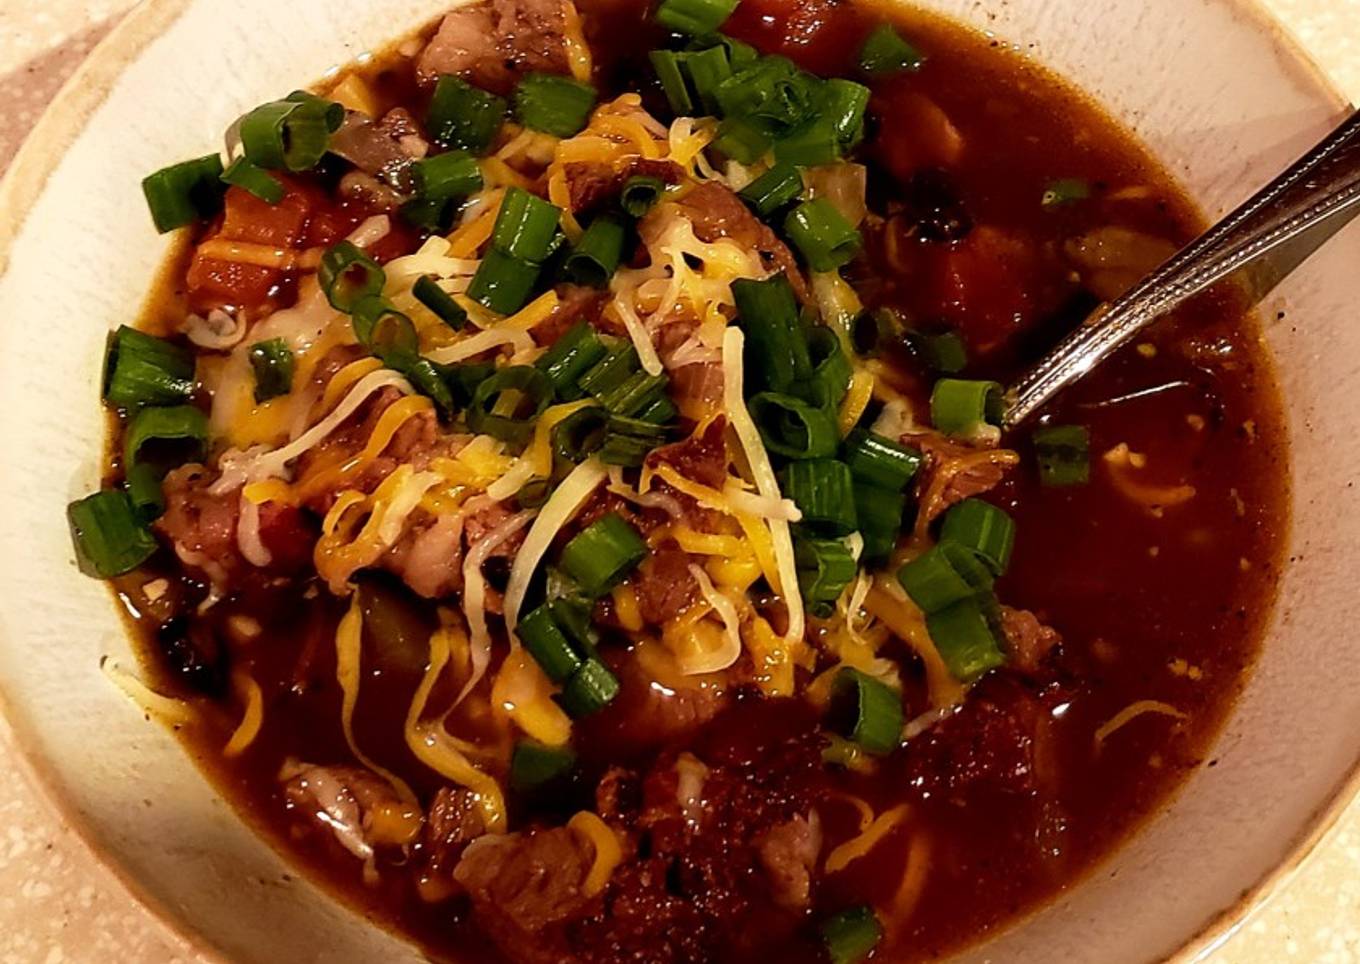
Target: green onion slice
[[291, 134], [831, 371], [590, 690], [876, 460], [109, 535], [985, 529], [273, 364], [741, 141], [942, 351], [463, 116], [694, 17], [1064, 454], [707, 70], [872, 711], [348, 276], [143, 486], [184, 193], [777, 355], [823, 235], [526, 226], [555, 105], [791, 427], [534, 765], [944, 575], [666, 63], [824, 491], [825, 568], [441, 304], [259, 182], [885, 51], [780, 185], [580, 434], [184, 427], [610, 373], [596, 256], [533, 391], [140, 369], [385, 331], [964, 637], [843, 104], [879, 513], [960, 406], [602, 554], [635, 394], [548, 645], [1065, 191], [851, 935], [503, 283], [448, 176], [570, 357], [639, 193]]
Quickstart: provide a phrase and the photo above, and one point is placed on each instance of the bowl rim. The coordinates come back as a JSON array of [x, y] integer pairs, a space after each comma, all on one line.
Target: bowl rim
[[64, 119]]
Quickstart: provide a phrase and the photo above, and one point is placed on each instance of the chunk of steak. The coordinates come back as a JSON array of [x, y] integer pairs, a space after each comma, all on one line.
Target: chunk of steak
[[788, 854], [1027, 639], [954, 471], [494, 42], [352, 805], [716, 213]]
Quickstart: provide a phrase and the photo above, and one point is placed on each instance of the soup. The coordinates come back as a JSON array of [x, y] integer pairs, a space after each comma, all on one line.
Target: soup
[[558, 485]]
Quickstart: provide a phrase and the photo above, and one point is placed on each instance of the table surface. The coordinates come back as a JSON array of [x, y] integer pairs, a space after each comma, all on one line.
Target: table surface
[[58, 904]]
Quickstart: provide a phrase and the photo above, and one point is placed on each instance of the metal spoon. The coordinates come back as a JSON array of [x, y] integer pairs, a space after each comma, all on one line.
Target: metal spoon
[[1260, 243]]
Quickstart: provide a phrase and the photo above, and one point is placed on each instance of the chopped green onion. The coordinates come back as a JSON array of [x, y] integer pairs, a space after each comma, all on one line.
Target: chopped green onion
[[706, 70], [812, 144], [109, 535], [844, 103], [430, 214], [273, 364], [580, 434], [611, 372], [635, 394], [824, 491], [943, 352], [777, 351], [184, 193], [775, 188], [534, 765], [741, 141], [825, 568], [183, 425], [143, 486], [879, 513], [628, 440], [140, 369], [851, 935], [872, 331], [291, 134], [555, 105], [791, 427], [880, 461], [831, 371], [503, 283], [640, 192], [884, 51], [1065, 191], [659, 412], [694, 17], [960, 407], [666, 63], [1064, 454], [428, 379], [385, 331], [739, 53], [874, 718], [596, 256], [535, 394], [548, 645], [463, 378], [348, 276], [534, 493], [570, 357], [589, 691], [259, 182], [771, 94], [525, 226], [601, 555], [572, 614], [441, 304], [463, 116], [447, 176], [827, 241], [985, 529], [945, 574], [964, 637]]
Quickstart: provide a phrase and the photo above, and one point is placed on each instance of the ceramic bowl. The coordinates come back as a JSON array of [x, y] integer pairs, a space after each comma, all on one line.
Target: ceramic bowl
[[1215, 89]]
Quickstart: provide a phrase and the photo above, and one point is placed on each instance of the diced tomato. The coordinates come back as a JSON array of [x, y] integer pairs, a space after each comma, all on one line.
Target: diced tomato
[[986, 286], [823, 36], [914, 132], [289, 534]]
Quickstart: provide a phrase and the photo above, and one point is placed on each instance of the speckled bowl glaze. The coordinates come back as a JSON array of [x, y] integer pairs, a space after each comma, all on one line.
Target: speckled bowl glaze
[[1213, 87]]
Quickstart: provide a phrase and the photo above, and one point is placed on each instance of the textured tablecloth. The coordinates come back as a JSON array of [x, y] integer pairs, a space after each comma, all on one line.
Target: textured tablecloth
[[57, 904]]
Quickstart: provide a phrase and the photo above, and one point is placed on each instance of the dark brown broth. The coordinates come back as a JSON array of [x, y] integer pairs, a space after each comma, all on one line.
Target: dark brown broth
[[1142, 601]]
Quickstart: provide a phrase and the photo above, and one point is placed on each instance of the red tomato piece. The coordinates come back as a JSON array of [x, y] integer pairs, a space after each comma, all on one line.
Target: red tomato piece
[[915, 133], [823, 36], [984, 286]]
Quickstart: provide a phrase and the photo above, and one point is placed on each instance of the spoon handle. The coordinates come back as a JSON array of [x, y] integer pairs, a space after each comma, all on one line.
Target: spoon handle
[[1261, 242]]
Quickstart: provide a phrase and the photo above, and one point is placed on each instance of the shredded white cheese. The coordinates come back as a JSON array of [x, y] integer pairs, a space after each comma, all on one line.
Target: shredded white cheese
[[474, 595]]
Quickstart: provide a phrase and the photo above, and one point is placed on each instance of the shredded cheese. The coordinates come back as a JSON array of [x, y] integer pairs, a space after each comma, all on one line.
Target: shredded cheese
[[857, 399], [900, 615], [1130, 713], [169, 710], [730, 651], [474, 345], [252, 718], [860, 845], [474, 594], [608, 853], [739, 417], [565, 501], [523, 693]]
